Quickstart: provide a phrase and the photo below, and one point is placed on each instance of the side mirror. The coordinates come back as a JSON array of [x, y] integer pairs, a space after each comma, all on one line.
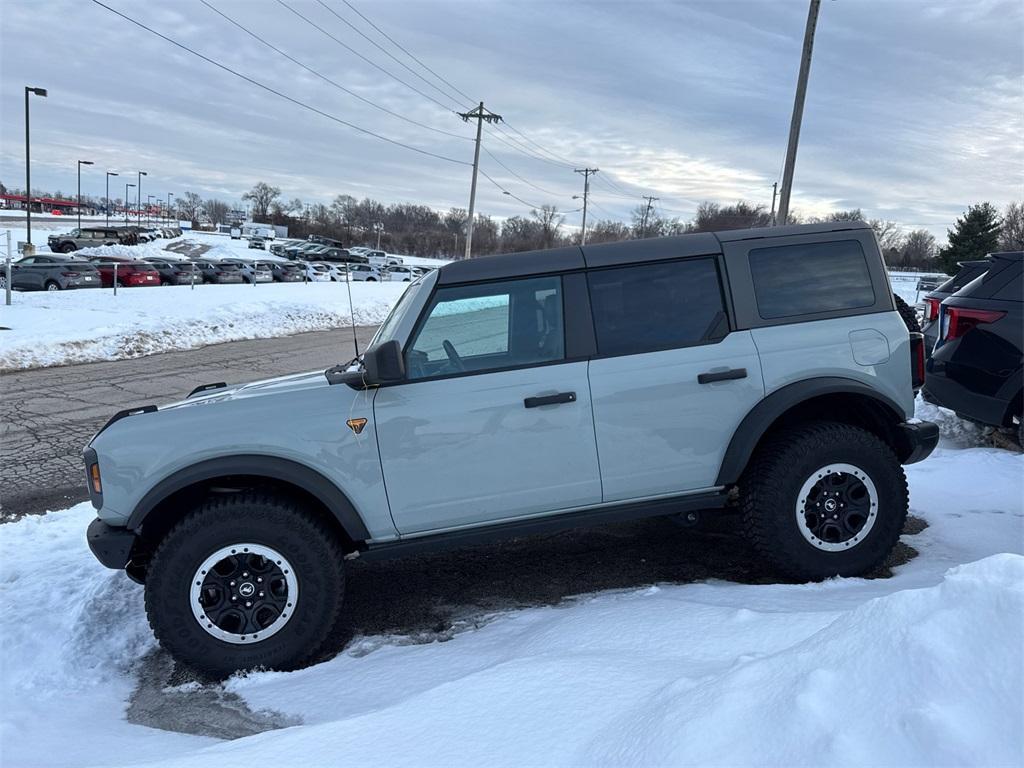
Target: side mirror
[[384, 363]]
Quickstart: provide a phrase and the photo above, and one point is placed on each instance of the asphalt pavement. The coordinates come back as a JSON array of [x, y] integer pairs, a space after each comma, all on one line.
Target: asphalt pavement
[[48, 415]]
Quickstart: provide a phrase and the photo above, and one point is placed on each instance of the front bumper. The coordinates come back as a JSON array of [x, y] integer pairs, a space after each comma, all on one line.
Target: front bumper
[[111, 546], [920, 439]]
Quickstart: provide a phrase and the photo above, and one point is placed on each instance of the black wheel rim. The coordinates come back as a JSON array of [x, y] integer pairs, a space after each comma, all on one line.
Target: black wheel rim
[[837, 507]]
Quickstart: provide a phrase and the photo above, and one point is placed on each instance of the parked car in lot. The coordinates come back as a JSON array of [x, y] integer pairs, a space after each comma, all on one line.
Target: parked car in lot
[[704, 374], [50, 272], [930, 323], [257, 243], [317, 272], [127, 272], [287, 272], [176, 272], [975, 368], [399, 274], [219, 272], [252, 271], [86, 237], [339, 255], [339, 272], [300, 250], [382, 259], [364, 273], [279, 247]]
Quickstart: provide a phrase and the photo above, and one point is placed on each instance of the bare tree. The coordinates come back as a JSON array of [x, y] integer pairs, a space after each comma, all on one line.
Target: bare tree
[[261, 196], [712, 217], [918, 249], [1011, 233], [550, 221], [216, 210], [889, 234], [189, 206]]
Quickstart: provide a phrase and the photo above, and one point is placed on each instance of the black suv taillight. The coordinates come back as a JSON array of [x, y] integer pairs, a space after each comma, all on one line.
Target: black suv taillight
[[917, 360]]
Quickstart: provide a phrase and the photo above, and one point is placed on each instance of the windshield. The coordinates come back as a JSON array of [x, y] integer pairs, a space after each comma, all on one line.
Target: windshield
[[387, 330]]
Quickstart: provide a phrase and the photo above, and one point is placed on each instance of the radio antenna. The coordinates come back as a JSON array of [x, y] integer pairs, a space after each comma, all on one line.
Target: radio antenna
[[351, 309]]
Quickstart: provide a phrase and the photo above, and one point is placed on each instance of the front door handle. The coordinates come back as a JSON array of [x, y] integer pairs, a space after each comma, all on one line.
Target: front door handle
[[729, 375], [561, 397]]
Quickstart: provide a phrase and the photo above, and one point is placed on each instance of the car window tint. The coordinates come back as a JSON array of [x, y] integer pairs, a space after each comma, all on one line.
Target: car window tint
[[490, 326], [654, 306], [808, 278]]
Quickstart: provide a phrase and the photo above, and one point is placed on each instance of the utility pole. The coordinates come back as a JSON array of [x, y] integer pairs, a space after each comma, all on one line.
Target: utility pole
[[379, 229], [647, 212], [481, 115], [798, 111], [775, 191], [587, 172]]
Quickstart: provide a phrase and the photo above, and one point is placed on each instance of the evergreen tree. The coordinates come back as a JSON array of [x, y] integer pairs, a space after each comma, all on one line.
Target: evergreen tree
[[975, 234]]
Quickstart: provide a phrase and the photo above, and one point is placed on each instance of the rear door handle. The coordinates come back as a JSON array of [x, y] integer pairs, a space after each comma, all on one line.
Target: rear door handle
[[561, 397], [729, 375]]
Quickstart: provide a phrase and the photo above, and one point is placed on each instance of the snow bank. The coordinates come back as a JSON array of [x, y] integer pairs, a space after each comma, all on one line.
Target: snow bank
[[58, 328], [920, 669]]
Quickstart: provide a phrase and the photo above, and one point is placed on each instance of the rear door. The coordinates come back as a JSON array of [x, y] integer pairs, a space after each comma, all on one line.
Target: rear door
[[671, 381], [494, 421]]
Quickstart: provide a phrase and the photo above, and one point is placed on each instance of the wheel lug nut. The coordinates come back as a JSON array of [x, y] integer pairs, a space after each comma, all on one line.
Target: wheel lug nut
[[232, 583], [261, 594], [259, 579], [248, 604], [245, 574], [233, 598]]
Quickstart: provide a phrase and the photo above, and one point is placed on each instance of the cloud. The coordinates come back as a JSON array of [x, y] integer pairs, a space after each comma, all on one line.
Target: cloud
[[914, 109]]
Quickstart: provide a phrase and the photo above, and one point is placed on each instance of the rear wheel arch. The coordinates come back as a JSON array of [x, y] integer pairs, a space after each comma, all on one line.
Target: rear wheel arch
[[824, 399], [174, 496]]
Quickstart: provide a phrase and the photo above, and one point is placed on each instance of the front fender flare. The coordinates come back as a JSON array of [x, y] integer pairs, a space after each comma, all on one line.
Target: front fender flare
[[271, 467]]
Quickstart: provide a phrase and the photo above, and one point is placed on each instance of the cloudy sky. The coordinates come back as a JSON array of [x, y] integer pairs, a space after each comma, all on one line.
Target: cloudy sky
[[914, 110]]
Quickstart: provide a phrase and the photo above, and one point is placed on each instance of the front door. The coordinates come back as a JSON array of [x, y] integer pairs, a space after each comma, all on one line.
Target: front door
[[493, 422]]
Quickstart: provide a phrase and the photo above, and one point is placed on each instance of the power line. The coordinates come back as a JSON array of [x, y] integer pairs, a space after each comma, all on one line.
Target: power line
[[539, 146], [615, 187], [381, 48], [521, 178], [352, 50], [522, 149], [329, 80], [274, 91], [407, 52], [506, 192]]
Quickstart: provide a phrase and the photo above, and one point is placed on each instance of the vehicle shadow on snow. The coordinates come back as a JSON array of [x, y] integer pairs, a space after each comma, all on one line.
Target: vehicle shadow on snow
[[431, 598]]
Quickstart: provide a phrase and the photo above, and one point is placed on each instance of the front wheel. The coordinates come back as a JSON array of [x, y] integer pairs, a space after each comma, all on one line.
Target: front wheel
[[824, 499], [245, 581]]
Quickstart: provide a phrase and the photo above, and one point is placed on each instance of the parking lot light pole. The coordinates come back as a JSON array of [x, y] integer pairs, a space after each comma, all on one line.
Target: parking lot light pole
[[138, 199], [149, 205], [169, 196], [109, 174], [28, 171], [126, 187], [80, 164]]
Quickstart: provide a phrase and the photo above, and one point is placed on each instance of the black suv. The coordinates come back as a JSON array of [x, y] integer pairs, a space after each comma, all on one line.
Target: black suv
[[968, 271], [975, 368]]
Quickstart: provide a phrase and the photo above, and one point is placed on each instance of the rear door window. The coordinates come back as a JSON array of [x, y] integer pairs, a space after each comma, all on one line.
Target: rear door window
[[809, 278], [656, 306]]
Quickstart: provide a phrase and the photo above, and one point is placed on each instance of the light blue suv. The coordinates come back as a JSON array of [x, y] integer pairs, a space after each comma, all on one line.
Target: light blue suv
[[761, 373]]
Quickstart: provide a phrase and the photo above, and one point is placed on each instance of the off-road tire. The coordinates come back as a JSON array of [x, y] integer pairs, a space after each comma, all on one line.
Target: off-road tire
[[68, 248], [312, 549], [771, 484], [908, 313]]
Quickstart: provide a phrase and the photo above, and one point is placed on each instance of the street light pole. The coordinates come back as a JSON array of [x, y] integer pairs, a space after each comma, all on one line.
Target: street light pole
[[138, 199], [28, 172], [126, 186], [80, 164], [149, 206], [109, 174], [169, 196]]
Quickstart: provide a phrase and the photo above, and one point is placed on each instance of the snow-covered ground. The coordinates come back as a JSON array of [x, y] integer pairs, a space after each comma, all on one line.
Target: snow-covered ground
[[924, 668], [58, 328]]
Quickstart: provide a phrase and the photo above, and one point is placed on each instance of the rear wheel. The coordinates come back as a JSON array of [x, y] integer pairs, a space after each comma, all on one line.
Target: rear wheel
[[824, 499], [51, 285], [245, 581]]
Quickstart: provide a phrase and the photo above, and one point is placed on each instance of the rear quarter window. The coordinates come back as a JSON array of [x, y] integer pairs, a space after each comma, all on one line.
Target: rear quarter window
[[809, 278]]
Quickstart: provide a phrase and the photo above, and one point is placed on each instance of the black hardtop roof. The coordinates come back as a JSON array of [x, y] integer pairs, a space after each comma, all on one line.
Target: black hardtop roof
[[621, 253]]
